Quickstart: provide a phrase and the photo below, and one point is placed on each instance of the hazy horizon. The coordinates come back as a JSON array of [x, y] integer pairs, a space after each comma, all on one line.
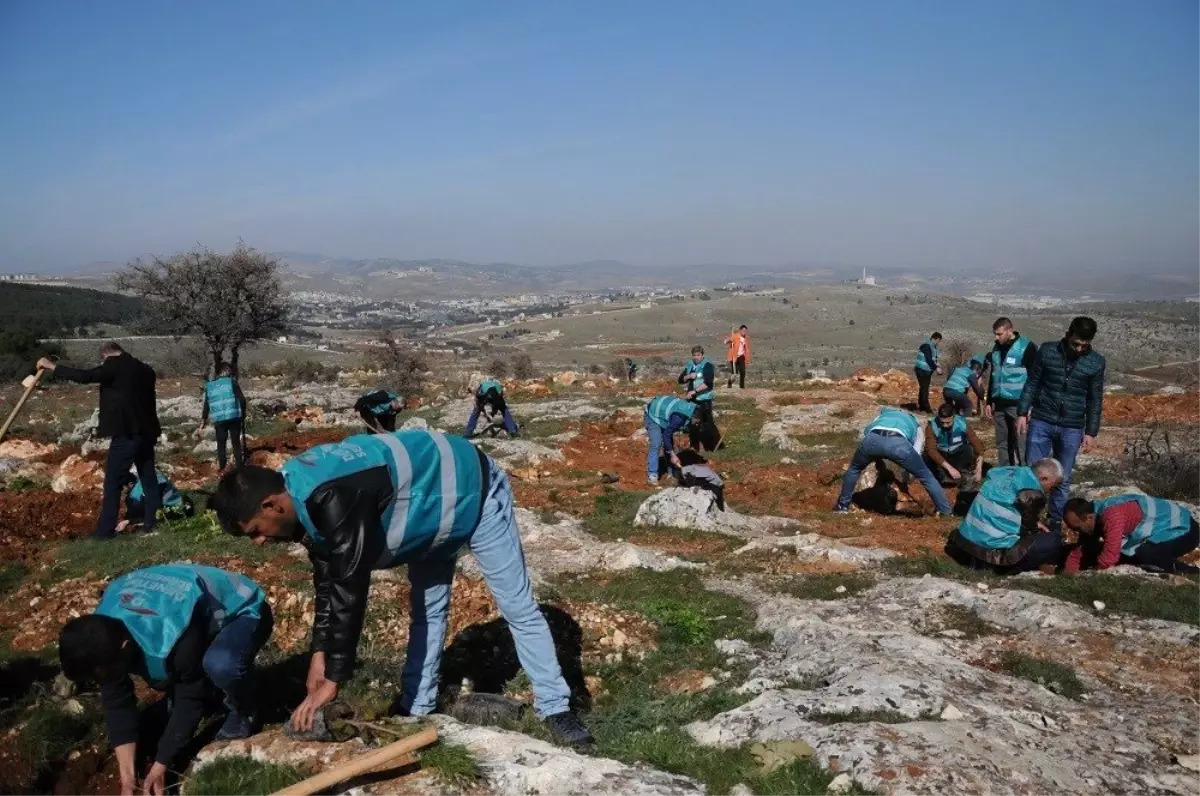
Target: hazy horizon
[[1023, 136]]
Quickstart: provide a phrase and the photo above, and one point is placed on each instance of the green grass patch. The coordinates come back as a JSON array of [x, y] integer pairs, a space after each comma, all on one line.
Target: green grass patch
[[540, 429], [451, 763], [614, 513], [257, 426], [825, 585], [229, 776], [198, 538], [11, 575], [1149, 597], [966, 621], [49, 734], [859, 716], [1059, 678], [800, 776], [22, 483]]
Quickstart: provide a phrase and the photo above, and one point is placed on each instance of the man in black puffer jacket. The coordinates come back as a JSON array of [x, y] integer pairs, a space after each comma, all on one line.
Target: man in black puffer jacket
[[1061, 404]]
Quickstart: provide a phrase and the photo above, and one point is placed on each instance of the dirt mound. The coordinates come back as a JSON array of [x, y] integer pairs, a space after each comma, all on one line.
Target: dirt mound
[[24, 449], [274, 451], [30, 519], [1144, 409], [894, 385], [37, 611]]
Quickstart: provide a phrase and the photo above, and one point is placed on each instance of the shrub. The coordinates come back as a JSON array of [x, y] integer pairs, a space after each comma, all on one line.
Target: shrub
[[497, 368], [294, 371], [522, 367]]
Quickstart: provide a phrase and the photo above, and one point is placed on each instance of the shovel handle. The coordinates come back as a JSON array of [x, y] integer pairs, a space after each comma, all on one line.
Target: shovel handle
[[361, 765], [24, 397]]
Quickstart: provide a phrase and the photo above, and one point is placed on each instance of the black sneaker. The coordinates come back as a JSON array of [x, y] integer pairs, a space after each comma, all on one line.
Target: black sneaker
[[568, 730]]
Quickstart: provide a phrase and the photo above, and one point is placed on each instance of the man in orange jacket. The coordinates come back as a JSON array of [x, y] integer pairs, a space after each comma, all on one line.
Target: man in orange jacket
[[738, 354]]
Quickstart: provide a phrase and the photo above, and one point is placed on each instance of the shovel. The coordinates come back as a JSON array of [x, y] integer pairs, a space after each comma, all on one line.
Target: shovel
[[31, 383]]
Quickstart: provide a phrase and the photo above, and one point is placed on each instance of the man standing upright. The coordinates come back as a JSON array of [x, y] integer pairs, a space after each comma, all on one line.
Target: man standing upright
[[1061, 404], [926, 365], [1010, 360], [699, 377], [225, 406], [738, 355], [129, 417]]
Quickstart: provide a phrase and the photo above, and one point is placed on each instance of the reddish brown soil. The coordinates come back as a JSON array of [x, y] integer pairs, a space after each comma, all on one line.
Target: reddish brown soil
[[29, 520], [1143, 409]]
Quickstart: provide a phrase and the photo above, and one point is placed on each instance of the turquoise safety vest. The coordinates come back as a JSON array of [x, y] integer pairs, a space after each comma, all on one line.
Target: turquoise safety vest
[[660, 409], [891, 419], [156, 605], [950, 439], [1008, 374], [921, 363], [437, 481], [222, 402], [1162, 520], [170, 495], [698, 367], [489, 384], [384, 408], [993, 520], [960, 380]]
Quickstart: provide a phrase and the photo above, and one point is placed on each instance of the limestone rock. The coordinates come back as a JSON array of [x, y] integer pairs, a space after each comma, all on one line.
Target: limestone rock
[[842, 783], [566, 378], [1014, 736], [77, 474], [515, 763], [564, 546], [696, 509], [516, 452], [814, 547], [414, 423]]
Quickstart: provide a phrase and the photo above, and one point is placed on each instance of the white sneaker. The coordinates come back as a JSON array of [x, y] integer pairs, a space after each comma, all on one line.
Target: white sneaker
[[652, 480]]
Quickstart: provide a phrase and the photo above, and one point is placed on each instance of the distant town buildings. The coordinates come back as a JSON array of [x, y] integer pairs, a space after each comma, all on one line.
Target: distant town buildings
[[867, 280], [18, 277]]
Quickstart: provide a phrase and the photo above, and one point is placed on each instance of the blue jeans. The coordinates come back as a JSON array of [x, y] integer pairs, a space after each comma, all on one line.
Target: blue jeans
[[1047, 439], [510, 425], [123, 452], [496, 544], [229, 661], [654, 433], [899, 450]]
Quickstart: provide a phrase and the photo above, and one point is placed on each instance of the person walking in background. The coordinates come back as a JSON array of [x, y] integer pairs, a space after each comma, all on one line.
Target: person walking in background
[[926, 365], [738, 355], [699, 377], [129, 418], [1061, 404], [1009, 361], [225, 406]]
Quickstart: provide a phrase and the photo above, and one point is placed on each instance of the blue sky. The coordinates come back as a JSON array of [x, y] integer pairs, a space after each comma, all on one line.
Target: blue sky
[[1048, 134]]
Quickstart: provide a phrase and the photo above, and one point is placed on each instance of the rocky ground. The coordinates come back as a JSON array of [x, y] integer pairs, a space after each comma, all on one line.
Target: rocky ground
[[772, 648]]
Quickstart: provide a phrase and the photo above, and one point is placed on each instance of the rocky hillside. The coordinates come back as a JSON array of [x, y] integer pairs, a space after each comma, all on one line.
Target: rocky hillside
[[770, 648]]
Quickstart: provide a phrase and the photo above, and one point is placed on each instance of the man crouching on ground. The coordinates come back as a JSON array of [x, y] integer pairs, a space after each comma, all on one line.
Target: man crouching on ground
[[380, 501], [180, 627]]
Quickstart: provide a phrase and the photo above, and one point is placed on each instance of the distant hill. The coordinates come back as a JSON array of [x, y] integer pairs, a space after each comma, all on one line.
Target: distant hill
[[53, 311]]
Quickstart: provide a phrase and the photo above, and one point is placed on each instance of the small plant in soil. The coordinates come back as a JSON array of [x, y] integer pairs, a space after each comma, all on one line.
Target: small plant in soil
[[1059, 678], [825, 586], [230, 776]]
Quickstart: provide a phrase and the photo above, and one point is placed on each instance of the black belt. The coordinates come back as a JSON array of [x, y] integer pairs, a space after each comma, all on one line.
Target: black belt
[[883, 432]]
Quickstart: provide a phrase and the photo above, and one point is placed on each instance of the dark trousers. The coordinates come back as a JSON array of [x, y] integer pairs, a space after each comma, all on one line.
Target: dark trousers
[[384, 422], [961, 401], [231, 430], [738, 368], [1165, 555], [1010, 446], [704, 435], [962, 460], [122, 453], [923, 379], [1047, 548]]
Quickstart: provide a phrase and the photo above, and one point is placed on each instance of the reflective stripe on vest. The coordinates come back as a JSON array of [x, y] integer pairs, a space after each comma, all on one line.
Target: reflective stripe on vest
[[660, 409], [1162, 520], [222, 401], [437, 481], [950, 439], [170, 495], [694, 367], [1008, 372], [891, 419], [489, 384], [156, 604], [921, 363], [993, 520], [960, 380]]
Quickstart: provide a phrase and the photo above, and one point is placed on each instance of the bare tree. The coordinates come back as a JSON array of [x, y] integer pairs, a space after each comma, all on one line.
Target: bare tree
[[405, 365], [229, 300], [498, 368], [957, 353], [522, 367]]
